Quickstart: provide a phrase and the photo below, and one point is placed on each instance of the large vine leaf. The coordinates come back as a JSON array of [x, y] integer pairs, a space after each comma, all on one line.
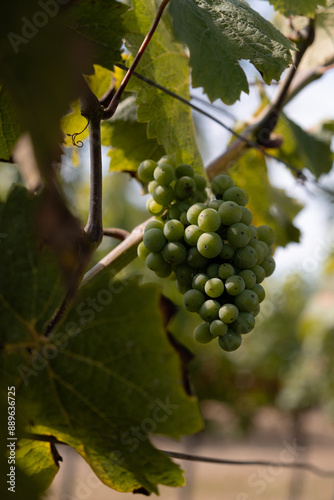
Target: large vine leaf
[[127, 138], [304, 150], [164, 62], [105, 380], [297, 7], [219, 33], [268, 204], [10, 127]]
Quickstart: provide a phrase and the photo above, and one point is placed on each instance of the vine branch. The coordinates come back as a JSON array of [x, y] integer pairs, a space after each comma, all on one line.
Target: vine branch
[[110, 110]]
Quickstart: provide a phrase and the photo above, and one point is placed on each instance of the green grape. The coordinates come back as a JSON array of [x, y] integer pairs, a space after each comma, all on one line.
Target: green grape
[[164, 195], [230, 212], [167, 159], [256, 311], [183, 218], [225, 271], [237, 195], [264, 246], [209, 310], [155, 223], [155, 262], [249, 278], [238, 235], [245, 258], [259, 273], [254, 240], [202, 333], [184, 274], [230, 341], [146, 170], [151, 186], [234, 285], [176, 210], [271, 250], [268, 265], [259, 290], [154, 240], [182, 288], [215, 204], [209, 245], [195, 259], [154, 208], [164, 174], [244, 323], [194, 211], [220, 184], [212, 270], [142, 251], [246, 217], [260, 253], [200, 182], [184, 170], [199, 280], [266, 234], [191, 234], [209, 220], [165, 272], [193, 300], [173, 230], [227, 252], [184, 188], [228, 313], [247, 301], [214, 288], [174, 252], [218, 328], [199, 197]]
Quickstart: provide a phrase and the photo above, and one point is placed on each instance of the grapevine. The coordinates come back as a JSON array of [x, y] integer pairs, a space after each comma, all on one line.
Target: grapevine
[[205, 238]]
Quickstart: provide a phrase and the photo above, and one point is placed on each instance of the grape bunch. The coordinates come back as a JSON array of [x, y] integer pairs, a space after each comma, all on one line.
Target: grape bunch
[[211, 247]]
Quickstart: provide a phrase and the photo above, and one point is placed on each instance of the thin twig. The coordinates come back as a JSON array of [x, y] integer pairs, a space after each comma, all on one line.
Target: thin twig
[[116, 232], [110, 110]]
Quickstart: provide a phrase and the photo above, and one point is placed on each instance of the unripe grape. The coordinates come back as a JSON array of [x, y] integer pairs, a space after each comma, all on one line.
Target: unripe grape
[[260, 253], [254, 240], [238, 235], [191, 234], [193, 300], [184, 274], [167, 159], [259, 273], [151, 186], [202, 333], [220, 184], [142, 251], [266, 234], [209, 220], [209, 245], [215, 204], [199, 280], [259, 290], [164, 174], [230, 341], [214, 287], [194, 211], [155, 262], [154, 240], [218, 328], [174, 252], [245, 258], [234, 285], [195, 259], [155, 223], [230, 212], [228, 313], [146, 170], [247, 301], [184, 170], [268, 265], [225, 271], [237, 195], [244, 323], [164, 195], [173, 230], [212, 270], [200, 182], [209, 310], [246, 217], [184, 188], [227, 252], [154, 208], [249, 278]]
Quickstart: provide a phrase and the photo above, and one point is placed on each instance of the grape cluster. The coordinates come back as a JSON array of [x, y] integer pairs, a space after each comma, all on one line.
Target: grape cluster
[[218, 257]]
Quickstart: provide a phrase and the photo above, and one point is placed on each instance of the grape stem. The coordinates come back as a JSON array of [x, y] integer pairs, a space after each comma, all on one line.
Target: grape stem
[[110, 110]]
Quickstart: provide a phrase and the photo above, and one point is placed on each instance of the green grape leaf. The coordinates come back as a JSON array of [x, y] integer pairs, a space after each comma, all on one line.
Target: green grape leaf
[[127, 138], [10, 127], [164, 62], [219, 33], [268, 204], [105, 380], [303, 149], [297, 7]]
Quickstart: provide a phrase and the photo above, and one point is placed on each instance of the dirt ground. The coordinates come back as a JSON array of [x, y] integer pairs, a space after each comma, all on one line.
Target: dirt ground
[[271, 439]]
